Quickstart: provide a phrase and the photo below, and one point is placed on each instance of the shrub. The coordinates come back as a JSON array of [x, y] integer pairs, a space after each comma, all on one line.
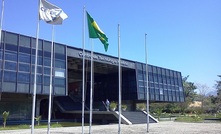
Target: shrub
[[5, 117]]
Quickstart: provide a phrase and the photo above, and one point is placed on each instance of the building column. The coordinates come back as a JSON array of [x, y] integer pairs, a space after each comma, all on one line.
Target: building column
[[38, 107]]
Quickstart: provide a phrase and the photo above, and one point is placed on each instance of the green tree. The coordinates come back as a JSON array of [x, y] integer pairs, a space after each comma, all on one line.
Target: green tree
[[218, 98], [203, 90], [157, 109], [189, 93]]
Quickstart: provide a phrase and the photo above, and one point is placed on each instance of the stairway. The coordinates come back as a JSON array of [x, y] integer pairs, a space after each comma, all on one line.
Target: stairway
[[65, 103], [138, 117]]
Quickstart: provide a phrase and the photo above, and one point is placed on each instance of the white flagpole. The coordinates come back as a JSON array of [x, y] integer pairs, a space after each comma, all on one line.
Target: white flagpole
[[91, 89], [35, 76], [147, 89], [119, 72], [83, 71], [2, 15], [51, 74]]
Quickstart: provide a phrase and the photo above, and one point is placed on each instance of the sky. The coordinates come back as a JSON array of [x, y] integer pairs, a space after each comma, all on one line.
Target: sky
[[182, 35]]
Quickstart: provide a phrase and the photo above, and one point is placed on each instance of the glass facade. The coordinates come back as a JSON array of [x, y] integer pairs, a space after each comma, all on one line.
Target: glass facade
[[163, 84], [17, 67], [17, 58]]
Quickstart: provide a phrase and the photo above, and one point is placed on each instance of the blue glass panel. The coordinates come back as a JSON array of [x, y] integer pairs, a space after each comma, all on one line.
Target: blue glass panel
[[0, 74], [1, 54], [10, 65], [24, 77], [47, 62], [39, 69], [60, 64], [46, 80], [11, 56], [59, 82], [47, 71], [11, 47], [60, 56], [24, 58], [24, 67], [25, 50], [47, 54], [9, 76], [39, 79]]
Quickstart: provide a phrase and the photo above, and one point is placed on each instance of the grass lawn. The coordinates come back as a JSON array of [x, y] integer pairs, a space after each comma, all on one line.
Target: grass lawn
[[42, 125]]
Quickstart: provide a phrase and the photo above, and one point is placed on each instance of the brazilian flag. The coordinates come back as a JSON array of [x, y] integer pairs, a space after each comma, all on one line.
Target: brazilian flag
[[96, 32]]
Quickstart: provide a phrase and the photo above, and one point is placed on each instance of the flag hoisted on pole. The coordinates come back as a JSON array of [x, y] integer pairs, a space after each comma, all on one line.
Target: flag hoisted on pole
[[51, 14], [54, 15], [147, 89], [94, 32]]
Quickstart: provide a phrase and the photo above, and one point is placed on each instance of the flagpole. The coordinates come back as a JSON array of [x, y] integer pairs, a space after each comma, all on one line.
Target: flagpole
[[2, 15], [91, 89], [35, 75], [119, 72], [147, 89], [83, 70], [51, 74]]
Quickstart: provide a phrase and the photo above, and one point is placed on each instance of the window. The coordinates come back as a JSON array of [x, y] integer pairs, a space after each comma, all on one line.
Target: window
[[47, 54], [59, 90], [9, 76], [38, 78], [47, 46], [25, 50], [46, 80], [11, 56], [1, 54], [25, 41], [10, 65], [11, 38], [24, 77], [59, 48], [0, 75], [11, 47], [39, 69], [59, 73], [161, 91], [139, 66], [60, 64], [47, 71], [59, 82], [24, 58], [40, 42], [39, 60], [24, 67], [47, 62]]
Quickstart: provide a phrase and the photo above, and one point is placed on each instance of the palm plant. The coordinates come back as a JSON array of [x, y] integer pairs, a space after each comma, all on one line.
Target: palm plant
[[5, 117]]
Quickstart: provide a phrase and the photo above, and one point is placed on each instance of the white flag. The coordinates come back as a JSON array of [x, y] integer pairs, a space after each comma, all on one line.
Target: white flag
[[50, 13]]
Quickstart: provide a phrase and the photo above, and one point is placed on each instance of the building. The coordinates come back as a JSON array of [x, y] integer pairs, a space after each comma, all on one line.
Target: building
[[17, 59]]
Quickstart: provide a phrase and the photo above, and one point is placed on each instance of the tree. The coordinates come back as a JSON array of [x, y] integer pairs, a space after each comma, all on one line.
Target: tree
[[189, 93], [157, 109], [218, 98], [189, 90], [203, 90]]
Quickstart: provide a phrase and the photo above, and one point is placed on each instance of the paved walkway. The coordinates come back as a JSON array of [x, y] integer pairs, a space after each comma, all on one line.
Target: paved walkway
[[165, 127]]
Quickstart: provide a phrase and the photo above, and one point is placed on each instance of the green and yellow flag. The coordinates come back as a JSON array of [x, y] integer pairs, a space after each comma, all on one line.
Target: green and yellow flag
[[96, 32]]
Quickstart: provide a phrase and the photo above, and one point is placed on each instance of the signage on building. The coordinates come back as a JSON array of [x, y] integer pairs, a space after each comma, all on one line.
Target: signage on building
[[100, 58]]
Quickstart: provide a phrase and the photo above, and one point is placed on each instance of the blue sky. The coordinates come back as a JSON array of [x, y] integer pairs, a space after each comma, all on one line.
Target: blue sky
[[182, 35]]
